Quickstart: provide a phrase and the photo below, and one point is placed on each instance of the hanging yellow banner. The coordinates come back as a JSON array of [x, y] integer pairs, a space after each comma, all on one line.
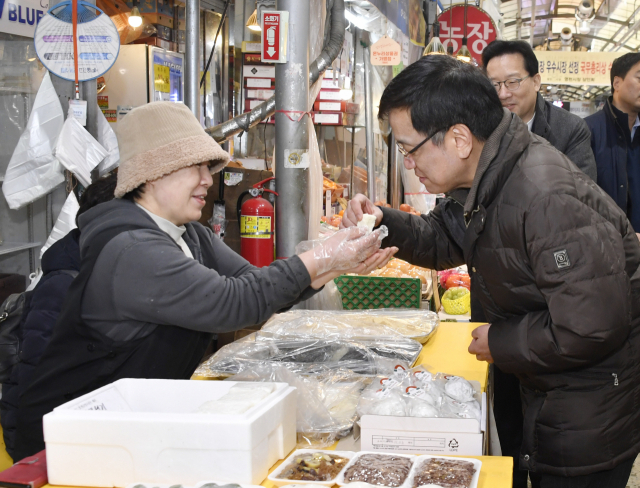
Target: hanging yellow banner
[[576, 68]]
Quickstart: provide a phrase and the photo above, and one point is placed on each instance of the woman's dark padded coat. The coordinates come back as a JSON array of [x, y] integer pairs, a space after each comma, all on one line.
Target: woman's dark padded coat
[[557, 270], [45, 303]]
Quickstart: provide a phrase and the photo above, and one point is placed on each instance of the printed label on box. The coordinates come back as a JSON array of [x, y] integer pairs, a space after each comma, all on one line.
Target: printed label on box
[[329, 95], [327, 118], [108, 399], [255, 71], [258, 83], [330, 106]]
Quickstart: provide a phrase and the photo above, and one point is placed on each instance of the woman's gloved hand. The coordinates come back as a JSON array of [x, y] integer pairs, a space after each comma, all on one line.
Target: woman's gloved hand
[[347, 248]]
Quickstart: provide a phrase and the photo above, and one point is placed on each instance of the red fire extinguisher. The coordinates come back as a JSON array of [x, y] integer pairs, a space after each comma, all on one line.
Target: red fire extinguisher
[[257, 224]]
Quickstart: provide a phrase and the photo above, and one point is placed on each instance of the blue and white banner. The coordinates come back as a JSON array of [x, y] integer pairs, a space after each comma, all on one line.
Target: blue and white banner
[[20, 17]]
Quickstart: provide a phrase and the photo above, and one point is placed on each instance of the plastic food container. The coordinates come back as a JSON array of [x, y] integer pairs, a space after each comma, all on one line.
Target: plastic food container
[[477, 464], [148, 430], [341, 481], [274, 477]]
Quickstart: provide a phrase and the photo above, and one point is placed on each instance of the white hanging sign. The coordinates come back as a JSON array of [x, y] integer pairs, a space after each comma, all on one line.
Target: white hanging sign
[[98, 46], [20, 17]]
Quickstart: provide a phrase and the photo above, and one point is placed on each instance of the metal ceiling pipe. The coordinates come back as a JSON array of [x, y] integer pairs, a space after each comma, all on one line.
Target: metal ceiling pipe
[[533, 21], [191, 72], [292, 134], [334, 38], [395, 178]]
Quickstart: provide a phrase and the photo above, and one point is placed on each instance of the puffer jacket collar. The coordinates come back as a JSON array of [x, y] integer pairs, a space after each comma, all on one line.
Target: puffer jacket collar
[[499, 155]]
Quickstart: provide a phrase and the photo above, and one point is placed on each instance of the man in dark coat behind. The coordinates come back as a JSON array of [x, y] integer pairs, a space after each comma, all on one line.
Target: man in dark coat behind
[[615, 140], [60, 265], [556, 265]]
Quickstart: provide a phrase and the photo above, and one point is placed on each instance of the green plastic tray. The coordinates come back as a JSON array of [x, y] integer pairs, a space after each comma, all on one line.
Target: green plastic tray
[[360, 292]]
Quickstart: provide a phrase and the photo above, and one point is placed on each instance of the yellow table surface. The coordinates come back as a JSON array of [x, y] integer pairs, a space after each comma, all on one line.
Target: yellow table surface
[[447, 352]]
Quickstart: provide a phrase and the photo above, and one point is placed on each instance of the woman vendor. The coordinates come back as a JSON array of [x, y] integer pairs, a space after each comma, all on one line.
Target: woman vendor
[[154, 285]]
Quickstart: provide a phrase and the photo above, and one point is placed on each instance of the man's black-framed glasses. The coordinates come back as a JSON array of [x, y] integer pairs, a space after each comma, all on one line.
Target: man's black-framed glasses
[[406, 153], [512, 84]]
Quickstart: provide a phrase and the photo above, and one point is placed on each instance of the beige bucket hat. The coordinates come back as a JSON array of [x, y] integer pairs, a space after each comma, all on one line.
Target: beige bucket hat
[[159, 138]]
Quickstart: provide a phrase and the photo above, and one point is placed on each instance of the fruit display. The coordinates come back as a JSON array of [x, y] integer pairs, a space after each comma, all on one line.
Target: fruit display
[[404, 207], [457, 300], [317, 466], [451, 278], [397, 268], [333, 221], [334, 188]]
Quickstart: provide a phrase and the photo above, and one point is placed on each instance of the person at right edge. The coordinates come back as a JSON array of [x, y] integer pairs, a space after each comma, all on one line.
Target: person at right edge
[[615, 140], [556, 268], [512, 68]]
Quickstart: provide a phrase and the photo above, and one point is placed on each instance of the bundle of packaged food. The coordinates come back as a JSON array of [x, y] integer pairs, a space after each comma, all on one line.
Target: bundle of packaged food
[[419, 325], [311, 355], [419, 393]]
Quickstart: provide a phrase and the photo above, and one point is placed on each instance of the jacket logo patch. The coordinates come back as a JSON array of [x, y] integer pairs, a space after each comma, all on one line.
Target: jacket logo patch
[[562, 259]]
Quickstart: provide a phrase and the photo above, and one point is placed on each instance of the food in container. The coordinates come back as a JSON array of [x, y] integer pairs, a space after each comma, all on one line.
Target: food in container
[[444, 473], [317, 466], [379, 469]]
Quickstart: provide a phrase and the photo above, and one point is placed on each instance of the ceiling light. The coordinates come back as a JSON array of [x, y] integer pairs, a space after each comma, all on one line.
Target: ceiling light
[[434, 46], [135, 20], [464, 54], [585, 27], [252, 23]]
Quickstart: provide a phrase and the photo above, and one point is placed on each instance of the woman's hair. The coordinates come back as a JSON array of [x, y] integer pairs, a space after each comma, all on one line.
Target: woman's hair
[[99, 192], [135, 194]]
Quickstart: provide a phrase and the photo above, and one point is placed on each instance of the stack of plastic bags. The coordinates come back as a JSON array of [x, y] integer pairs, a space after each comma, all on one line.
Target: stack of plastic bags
[[419, 393]]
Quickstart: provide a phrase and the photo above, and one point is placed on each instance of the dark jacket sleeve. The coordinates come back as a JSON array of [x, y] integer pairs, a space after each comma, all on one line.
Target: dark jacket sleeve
[[423, 241], [587, 294], [579, 150], [185, 293]]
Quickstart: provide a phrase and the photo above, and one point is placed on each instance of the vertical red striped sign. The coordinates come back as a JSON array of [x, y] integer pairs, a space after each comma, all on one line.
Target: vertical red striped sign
[[272, 24]]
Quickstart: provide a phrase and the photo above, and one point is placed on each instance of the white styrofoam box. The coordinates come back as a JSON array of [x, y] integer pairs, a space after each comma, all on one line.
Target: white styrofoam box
[[477, 464], [418, 435], [340, 479], [274, 477], [146, 430], [253, 163]]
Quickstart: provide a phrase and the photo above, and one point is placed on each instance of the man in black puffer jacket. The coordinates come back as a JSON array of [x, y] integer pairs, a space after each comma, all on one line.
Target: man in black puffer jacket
[[555, 260], [60, 265]]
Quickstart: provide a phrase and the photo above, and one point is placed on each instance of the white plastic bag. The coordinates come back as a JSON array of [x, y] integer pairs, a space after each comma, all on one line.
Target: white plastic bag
[[65, 223], [33, 170], [107, 138], [78, 151]]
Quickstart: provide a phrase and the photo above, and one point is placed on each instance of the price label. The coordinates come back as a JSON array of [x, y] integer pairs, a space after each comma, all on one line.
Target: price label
[[161, 76]]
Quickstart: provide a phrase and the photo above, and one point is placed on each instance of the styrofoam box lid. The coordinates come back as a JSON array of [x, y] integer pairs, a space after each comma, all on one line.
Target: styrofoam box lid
[[151, 406]]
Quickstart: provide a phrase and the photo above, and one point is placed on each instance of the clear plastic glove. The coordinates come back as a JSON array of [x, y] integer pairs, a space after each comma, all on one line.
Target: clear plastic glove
[[345, 249]]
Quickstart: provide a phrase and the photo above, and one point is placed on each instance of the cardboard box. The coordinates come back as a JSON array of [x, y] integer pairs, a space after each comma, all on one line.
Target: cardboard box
[[333, 95], [327, 118], [260, 83], [332, 106], [414, 435], [259, 94], [137, 429], [258, 71], [156, 41], [154, 18]]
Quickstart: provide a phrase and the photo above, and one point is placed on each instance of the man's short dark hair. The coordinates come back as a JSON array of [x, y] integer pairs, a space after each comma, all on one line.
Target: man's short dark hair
[[622, 65], [500, 48], [100, 191], [441, 92]]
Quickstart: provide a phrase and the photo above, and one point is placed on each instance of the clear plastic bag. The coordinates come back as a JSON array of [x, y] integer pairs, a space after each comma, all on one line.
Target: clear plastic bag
[[107, 139], [311, 355], [33, 170], [78, 151], [326, 404], [345, 249], [415, 324], [65, 223]]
